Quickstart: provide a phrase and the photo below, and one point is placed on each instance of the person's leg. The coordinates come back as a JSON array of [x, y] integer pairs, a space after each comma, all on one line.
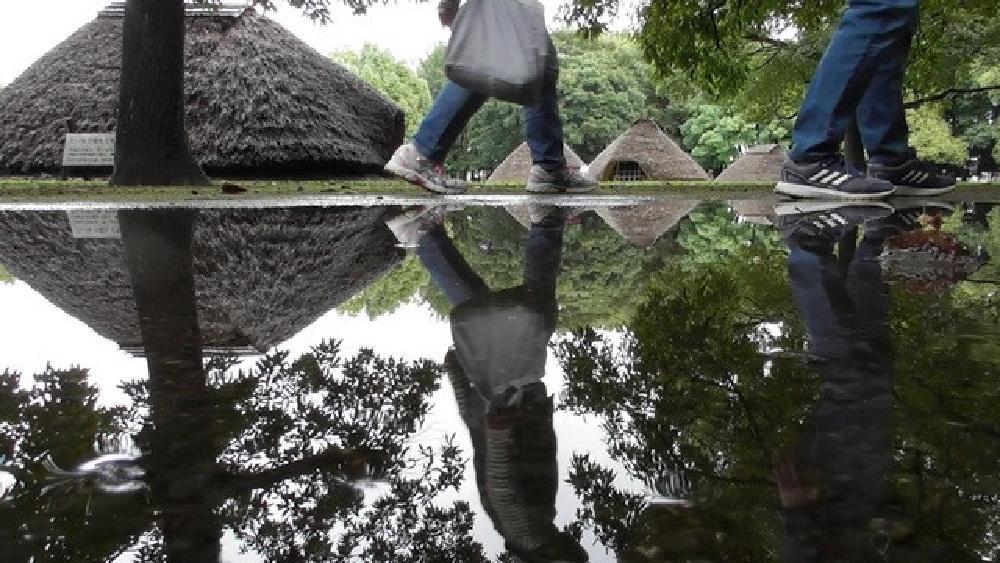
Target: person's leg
[[871, 33], [452, 109], [542, 124], [881, 116], [448, 269]]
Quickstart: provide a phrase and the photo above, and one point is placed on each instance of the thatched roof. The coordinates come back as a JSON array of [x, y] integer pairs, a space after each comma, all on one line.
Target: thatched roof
[[521, 214], [261, 276], [643, 225], [647, 145], [761, 163], [260, 102], [516, 166]]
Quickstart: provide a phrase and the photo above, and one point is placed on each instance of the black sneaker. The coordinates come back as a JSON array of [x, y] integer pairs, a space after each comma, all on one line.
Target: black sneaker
[[912, 215], [830, 178], [914, 178], [828, 219]]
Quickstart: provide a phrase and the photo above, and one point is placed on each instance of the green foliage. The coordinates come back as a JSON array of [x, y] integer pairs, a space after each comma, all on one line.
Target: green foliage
[[391, 77], [713, 135], [5, 276], [931, 135], [390, 291]]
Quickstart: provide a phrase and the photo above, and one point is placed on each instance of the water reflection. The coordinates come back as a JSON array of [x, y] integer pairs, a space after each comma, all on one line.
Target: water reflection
[[832, 483], [496, 369], [726, 381]]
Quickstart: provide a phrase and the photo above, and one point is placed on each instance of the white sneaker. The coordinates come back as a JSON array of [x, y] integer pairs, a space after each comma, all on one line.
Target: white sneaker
[[407, 163]]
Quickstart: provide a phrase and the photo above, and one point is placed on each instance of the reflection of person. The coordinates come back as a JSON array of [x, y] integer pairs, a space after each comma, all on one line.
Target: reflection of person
[[832, 484], [421, 160], [861, 75], [496, 370]]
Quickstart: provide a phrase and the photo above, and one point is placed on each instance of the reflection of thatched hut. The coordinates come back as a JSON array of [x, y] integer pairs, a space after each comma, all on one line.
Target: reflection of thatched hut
[[260, 102], [761, 163], [260, 275], [516, 166], [757, 211], [521, 214], [645, 152], [643, 225]]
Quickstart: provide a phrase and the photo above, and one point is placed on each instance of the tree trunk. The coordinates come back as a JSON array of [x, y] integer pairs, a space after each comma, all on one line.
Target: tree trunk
[[854, 148], [182, 443], [151, 145]]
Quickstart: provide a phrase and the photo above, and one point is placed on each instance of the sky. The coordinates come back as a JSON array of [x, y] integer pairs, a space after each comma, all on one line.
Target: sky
[[406, 28]]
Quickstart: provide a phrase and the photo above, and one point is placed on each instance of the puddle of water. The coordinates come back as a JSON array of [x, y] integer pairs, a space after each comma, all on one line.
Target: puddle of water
[[677, 380]]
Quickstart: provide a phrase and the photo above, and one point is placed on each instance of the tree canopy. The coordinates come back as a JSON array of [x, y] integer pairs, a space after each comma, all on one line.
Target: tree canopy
[[393, 78]]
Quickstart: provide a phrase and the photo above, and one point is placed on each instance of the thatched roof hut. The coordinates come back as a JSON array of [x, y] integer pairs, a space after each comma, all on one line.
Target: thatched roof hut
[[261, 276], [516, 166], [260, 102], [645, 152], [761, 163], [643, 225]]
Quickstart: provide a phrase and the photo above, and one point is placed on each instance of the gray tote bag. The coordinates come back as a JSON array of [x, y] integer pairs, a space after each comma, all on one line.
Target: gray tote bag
[[499, 48]]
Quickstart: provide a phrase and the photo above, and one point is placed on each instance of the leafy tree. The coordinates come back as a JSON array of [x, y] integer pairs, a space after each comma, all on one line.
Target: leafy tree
[[715, 135], [391, 77], [931, 135]]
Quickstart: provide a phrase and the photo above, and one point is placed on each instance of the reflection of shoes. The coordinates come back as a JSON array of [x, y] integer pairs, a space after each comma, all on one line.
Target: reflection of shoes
[[409, 164], [830, 178], [411, 225], [536, 213], [911, 218], [827, 218], [914, 178], [568, 180]]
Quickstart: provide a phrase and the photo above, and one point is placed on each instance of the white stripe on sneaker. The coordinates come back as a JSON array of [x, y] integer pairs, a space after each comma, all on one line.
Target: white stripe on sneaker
[[817, 175], [842, 179], [909, 176]]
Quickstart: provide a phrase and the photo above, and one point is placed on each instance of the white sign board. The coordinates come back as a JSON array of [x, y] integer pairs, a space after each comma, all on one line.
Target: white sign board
[[94, 223], [89, 149]]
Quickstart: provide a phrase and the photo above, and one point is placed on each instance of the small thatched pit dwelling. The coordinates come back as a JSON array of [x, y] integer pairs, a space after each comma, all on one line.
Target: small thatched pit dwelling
[[517, 165], [260, 102], [645, 152], [760, 163]]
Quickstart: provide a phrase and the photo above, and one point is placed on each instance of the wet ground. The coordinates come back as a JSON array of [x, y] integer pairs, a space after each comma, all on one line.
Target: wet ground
[[616, 380]]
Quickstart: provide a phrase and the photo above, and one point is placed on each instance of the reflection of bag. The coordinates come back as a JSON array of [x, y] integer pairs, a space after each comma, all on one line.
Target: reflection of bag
[[499, 48], [501, 340]]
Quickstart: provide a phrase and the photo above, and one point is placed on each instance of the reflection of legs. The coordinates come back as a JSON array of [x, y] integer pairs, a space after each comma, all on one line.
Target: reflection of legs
[[452, 109], [543, 253], [818, 286], [542, 124], [872, 34], [449, 270]]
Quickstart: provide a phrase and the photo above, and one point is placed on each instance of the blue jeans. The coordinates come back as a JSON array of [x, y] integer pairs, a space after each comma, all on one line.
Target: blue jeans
[[861, 74], [454, 106]]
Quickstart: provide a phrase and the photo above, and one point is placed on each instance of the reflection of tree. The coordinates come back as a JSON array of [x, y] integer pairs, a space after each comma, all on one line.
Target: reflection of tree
[[271, 453], [693, 409]]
